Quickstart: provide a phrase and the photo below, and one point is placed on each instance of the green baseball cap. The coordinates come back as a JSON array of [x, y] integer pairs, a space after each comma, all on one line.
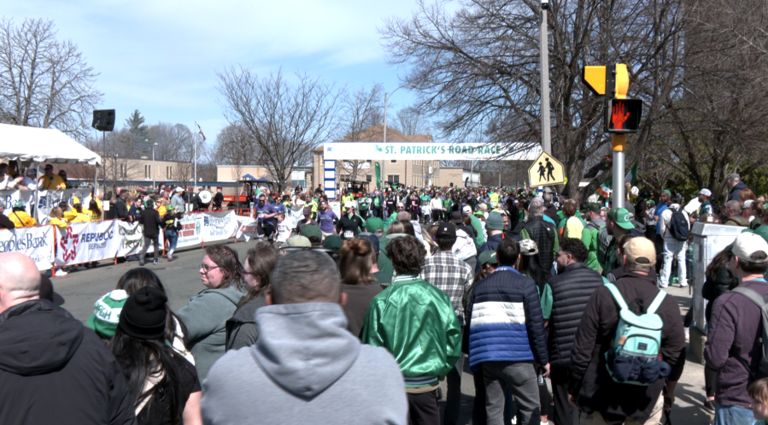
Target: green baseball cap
[[620, 216], [332, 242], [761, 231], [593, 206], [667, 191], [487, 257], [312, 230]]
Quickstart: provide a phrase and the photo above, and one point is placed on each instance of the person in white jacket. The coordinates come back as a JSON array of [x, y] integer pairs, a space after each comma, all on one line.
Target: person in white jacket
[[672, 246]]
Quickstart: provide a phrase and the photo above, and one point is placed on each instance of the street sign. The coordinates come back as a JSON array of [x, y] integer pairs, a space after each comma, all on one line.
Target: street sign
[[594, 78], [546, 171]]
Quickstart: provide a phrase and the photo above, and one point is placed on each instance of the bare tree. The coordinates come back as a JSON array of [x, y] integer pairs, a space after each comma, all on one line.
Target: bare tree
[[286, 121], [477, 69], [44, 82], [360, 110], [411, 122]]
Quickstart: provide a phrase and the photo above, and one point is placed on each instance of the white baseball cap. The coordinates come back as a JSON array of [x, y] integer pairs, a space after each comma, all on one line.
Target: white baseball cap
[[179, 189], [466, 210], [749, 244], [349, 204], [705, 192]]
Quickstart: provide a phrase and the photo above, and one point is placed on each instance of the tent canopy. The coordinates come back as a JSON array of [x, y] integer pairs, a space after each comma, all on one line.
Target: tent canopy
[[43, 145], [248, 177]]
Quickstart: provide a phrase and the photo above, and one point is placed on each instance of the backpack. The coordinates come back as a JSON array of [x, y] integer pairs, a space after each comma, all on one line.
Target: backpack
[[634, 354], [754, 296], [678, 225]]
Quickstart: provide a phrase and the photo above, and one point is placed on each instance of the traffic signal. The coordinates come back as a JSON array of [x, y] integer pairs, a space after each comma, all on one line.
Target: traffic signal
[[623, 115]]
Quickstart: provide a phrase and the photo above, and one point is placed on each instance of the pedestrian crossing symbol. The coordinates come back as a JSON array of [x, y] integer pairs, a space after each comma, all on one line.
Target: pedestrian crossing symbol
[[546, 171]]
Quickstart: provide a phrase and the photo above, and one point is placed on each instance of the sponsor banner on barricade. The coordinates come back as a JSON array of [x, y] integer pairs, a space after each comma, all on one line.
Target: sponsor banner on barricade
[[192, 230], [132, 239], [86, 242], [219, 226], [247, 230], [35, 242]]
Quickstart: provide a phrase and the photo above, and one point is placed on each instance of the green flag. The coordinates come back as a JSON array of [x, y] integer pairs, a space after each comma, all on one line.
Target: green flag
[[631, 176], [378, 175]]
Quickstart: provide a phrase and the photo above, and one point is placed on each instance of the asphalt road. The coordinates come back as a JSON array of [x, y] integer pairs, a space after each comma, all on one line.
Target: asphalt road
[[181, 279]]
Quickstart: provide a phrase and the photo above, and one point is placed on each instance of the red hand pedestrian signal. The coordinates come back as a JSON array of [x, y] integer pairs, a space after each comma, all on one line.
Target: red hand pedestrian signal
[[618, 116], [623, 115]]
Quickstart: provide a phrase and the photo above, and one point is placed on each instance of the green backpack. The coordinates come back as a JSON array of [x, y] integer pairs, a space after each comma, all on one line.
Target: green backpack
[[634, 354]]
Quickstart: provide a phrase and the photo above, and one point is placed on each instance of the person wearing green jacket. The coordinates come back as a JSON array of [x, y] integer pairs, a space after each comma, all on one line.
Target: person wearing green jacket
[[416, 323], [590, 235], [478, 227]]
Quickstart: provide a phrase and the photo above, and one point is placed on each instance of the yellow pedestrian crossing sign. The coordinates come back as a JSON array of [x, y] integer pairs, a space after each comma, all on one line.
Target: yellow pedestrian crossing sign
[[546, 171]]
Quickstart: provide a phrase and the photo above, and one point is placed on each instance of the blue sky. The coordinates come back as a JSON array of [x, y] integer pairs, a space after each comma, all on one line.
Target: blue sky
[[161, 57]]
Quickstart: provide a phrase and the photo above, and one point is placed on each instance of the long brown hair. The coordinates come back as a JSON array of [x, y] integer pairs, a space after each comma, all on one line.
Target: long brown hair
[[224, 257], [718, 262], [357, 259], [261, 259]]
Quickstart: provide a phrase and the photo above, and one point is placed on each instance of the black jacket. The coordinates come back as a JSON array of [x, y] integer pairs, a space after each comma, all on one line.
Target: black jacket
[[590, 382], [724, 282], [150, 219], [544, 234], [53, 370], [5, 222], [571, 290], [345, 223], [121, 210], [733, 195], [218, 199]]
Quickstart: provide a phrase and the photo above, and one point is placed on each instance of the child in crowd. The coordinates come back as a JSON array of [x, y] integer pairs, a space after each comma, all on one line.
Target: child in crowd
[[759, 393], [283, 231]]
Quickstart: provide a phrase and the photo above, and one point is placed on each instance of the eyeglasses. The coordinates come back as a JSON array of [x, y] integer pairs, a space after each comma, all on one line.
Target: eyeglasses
[[208, 268]]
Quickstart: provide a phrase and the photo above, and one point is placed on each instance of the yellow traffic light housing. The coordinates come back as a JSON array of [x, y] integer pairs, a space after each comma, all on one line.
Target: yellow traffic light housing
[[622, 81], [594, 78]]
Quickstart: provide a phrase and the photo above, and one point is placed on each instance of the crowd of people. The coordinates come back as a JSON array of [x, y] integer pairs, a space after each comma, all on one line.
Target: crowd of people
[[555, 307]]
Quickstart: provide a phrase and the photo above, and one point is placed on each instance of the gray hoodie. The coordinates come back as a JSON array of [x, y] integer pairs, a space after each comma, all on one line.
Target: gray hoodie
[[205, 319], [305, 368]]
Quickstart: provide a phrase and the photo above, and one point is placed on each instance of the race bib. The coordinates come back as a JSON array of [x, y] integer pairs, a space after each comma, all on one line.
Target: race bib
[[348, 234]]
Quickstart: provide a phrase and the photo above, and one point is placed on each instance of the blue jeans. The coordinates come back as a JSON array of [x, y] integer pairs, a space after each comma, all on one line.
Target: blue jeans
[[172, 237], [733, 415]]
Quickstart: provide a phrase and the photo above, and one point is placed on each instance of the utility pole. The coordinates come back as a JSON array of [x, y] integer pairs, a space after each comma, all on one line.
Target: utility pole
[[384, 161], [546, 136]]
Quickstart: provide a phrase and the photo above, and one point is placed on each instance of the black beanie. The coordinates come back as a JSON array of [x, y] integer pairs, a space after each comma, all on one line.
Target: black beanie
[[143, 315]]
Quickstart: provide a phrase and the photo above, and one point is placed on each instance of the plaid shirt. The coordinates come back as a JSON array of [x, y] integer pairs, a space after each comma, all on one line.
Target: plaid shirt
[[452, 276]]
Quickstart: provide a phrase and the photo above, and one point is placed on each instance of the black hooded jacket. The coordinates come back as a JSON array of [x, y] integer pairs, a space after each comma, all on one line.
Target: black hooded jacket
[[53, 370]]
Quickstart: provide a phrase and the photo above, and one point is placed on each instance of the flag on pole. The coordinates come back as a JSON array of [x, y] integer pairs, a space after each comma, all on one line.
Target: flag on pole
[[201, 130], [605, 189]]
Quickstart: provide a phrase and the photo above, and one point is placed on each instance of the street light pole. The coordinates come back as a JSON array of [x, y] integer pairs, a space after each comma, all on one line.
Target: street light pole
[[152, 170], [546, 137]]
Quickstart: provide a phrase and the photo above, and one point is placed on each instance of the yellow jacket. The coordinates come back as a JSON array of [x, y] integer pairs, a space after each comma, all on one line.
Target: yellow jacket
[[58, 222], [22, 219]]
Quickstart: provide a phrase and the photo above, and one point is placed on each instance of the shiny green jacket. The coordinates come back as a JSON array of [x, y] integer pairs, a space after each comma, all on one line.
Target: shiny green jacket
[[416, 323]]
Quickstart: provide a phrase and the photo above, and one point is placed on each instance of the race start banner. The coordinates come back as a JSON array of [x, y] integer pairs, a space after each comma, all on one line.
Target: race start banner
[[35, 242], [132, 239], [430, 151], [86, 242]]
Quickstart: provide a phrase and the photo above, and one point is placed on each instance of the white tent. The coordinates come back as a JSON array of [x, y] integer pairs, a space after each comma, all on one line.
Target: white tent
[[43, 145]]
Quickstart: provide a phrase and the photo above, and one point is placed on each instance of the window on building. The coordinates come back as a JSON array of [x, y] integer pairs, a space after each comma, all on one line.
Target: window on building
[[169, 172], [123, 172], [368, 178], [417, 162], [393, 161], [393, 178], [147, 171]]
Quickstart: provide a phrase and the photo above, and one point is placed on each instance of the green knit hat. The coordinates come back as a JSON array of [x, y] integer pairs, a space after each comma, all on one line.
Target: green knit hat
[[106, 313], [373, 224]]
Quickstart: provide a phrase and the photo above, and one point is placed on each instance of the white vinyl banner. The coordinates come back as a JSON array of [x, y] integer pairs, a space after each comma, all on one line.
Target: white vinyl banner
[[46, 200], [35, 242], [191, 231], [86, 242], [430, 151], [219, 226], [132, 239]]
